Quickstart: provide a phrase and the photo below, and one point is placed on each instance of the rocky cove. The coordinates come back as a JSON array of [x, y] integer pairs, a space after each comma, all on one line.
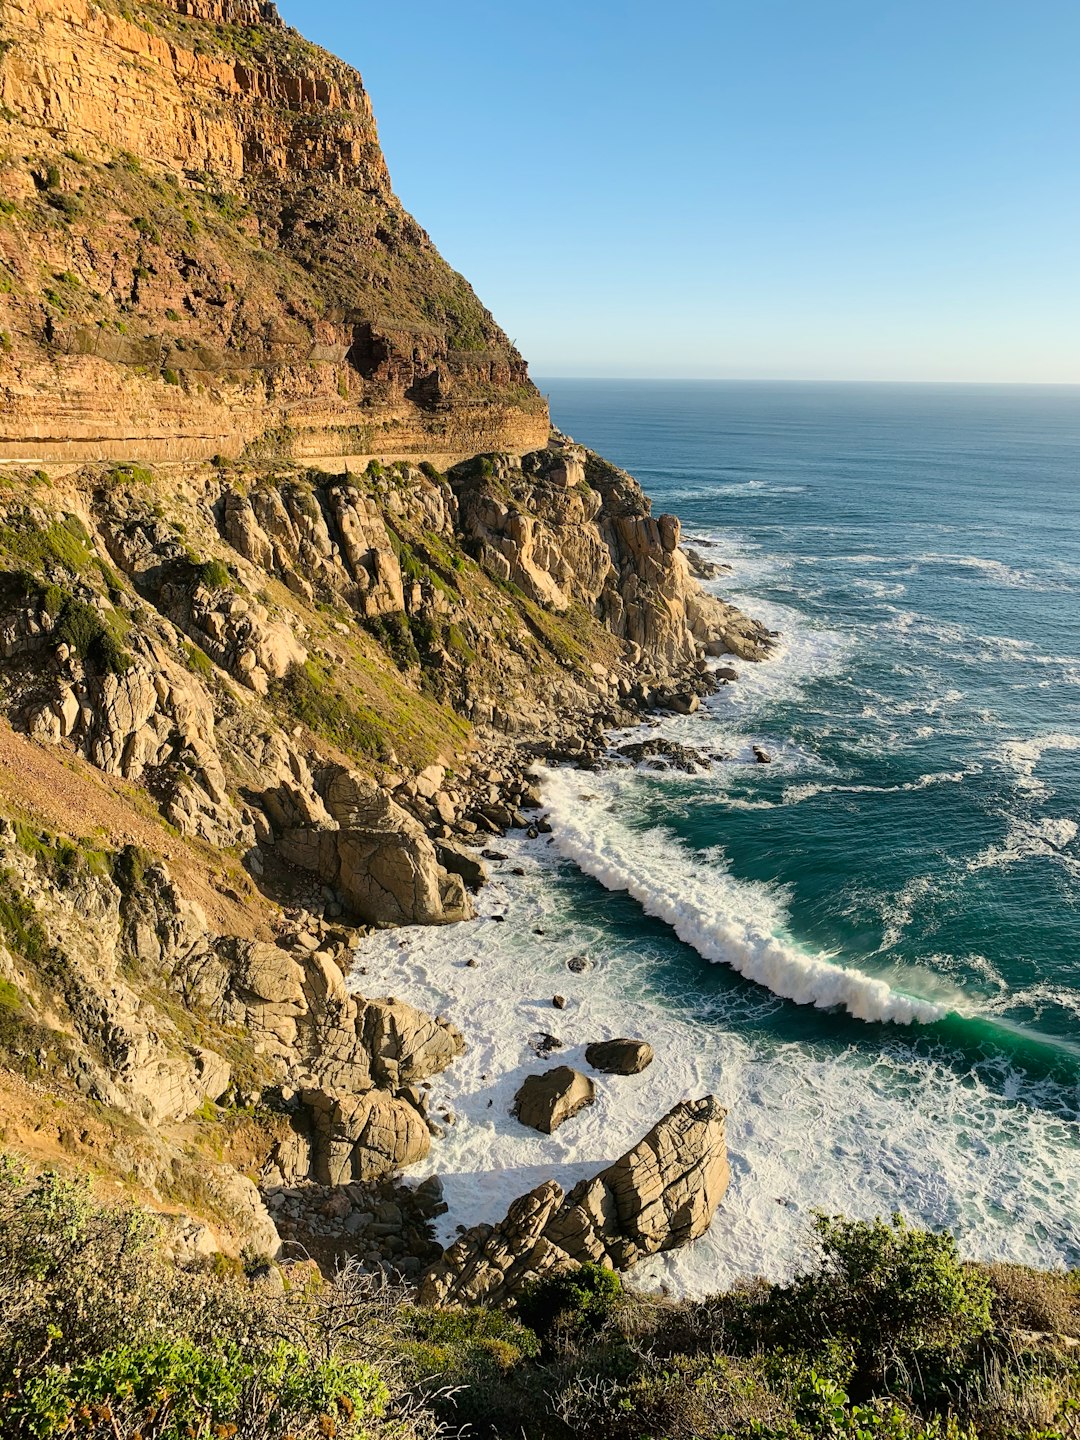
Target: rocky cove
[[297, 587], [198, 641]]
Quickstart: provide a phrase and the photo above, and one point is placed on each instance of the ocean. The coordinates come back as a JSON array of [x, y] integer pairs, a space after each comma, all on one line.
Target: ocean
[[869, 948]]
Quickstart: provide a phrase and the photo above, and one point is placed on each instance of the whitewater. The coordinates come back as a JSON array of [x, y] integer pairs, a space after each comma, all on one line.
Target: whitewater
[[868, 948]]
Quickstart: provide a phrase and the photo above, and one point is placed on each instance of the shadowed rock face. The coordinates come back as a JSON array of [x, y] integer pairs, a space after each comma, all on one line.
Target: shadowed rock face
[[658, 1196]]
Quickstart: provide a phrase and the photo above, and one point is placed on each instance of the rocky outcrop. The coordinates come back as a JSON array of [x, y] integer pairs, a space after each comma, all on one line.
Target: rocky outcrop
[[620, 1057], [544, 1101], [660, 1195], [566, 527], [237, 271], [378, 856], [364, 1137]]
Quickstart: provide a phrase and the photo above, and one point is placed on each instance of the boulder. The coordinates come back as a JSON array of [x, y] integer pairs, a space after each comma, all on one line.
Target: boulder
[[460, 862], [683, 704], [545, 1101], [363, 1137], [620, 1057], [660, 1195]]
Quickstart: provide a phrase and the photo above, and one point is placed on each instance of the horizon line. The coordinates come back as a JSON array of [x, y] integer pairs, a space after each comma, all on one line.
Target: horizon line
[[803, 380]]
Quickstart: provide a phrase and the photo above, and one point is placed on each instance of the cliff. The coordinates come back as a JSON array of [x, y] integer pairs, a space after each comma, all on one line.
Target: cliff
[[200, 253], [252, 705]]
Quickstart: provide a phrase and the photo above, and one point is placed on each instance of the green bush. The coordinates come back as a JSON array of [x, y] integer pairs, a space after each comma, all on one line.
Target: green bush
[[581, 1299], [213, 574], [82, 628], [170, 376], [899, 1302], [176, 1390], [395, 636]]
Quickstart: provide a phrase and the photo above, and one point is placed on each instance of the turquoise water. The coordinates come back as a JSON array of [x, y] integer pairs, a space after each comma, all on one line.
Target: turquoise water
[[870, 948]]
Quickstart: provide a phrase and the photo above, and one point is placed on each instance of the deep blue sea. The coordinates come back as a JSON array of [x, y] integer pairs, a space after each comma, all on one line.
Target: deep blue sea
[[870, 947]]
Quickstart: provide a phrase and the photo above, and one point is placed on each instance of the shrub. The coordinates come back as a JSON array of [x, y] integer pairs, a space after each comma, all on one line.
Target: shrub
[[581, 1299], [394, 635], [170, 376], [899, 1302], [214, 574], [1026, 1299], [176, 1389], [82, 628]]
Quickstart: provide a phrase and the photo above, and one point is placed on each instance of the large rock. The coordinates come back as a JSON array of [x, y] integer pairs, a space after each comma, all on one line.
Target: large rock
[[545, 1101], [659, 1195], [374, 852], [364, 1137], [619, 1057]]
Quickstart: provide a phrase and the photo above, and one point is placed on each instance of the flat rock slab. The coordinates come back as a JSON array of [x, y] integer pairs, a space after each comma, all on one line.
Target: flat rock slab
[[545, 1101], [620, 1057]]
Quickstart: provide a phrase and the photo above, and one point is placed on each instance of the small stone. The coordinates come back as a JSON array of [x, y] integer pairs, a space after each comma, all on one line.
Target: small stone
[[559, 1001]]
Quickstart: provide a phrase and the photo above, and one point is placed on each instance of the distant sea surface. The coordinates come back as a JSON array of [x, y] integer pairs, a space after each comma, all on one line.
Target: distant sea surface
[[870, 947]]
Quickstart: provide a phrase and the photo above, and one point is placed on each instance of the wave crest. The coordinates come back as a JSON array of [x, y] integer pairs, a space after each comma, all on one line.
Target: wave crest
[[726, 921]]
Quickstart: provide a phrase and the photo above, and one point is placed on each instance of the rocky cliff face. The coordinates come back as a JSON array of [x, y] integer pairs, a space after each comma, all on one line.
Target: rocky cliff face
[[200, 252], [251, 704]]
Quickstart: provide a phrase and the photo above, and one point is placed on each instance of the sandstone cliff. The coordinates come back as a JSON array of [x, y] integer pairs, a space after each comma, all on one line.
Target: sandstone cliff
[[200, 252]]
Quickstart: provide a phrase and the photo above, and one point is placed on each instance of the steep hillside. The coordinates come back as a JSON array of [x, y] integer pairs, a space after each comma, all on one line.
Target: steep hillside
[[200, 253], [251, 704]]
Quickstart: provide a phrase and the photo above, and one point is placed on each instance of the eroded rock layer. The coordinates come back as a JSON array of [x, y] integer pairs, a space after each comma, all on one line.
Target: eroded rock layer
[[201, 252]]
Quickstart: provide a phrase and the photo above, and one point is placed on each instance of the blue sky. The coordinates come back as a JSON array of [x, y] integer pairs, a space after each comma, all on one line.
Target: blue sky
[[843, 189]]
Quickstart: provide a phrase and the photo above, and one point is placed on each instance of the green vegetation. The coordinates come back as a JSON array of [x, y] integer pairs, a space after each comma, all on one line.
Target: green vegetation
[[99, 1336], [213, 574], [889, 1336], [198, 662], [170, 376], [20, 927], [310, 696], [394, 634], [128, 475], [61, 544]]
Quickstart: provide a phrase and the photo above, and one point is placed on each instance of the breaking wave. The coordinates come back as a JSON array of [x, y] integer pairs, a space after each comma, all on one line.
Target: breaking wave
[[727, 921]]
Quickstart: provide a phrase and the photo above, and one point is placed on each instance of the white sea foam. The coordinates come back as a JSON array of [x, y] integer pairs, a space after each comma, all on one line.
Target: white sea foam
[[735, 923], [1023, 756], [1045, 838], [995, 570], [795, 794], [810, 1127]]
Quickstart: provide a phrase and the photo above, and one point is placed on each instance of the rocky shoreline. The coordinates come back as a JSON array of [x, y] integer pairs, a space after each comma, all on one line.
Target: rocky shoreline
[[307, 588]]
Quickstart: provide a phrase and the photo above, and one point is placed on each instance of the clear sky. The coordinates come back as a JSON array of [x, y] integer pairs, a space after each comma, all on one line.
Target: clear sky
[[838, 189]]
